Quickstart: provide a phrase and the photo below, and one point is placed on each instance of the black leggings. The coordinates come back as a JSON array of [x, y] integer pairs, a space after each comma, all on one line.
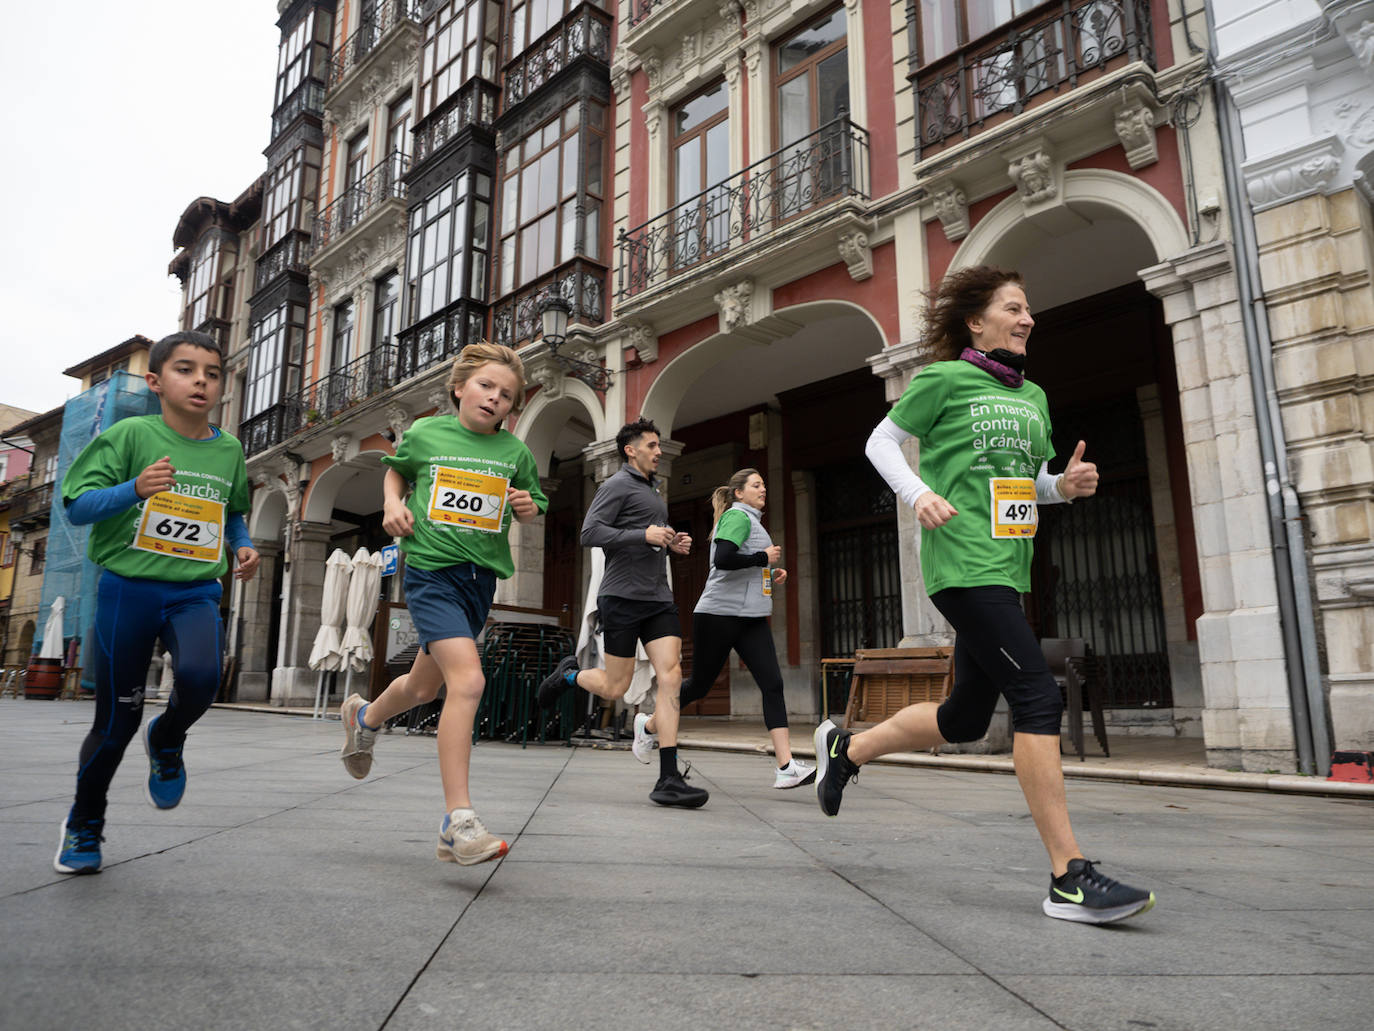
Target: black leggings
[[712, 638], [995, 652]]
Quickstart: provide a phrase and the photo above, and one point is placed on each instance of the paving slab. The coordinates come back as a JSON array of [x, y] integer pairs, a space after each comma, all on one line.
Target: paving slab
[[283, 893]]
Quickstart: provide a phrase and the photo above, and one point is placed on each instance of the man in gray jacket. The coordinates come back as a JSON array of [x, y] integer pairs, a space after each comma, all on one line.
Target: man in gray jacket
[[628, 519]]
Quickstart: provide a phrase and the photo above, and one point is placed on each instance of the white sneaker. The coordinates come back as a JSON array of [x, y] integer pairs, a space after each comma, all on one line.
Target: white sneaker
[[643, 746], [358, 739], [794, 775], [463, 840]]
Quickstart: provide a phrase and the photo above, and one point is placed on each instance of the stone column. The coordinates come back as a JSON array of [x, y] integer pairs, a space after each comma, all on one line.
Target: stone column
[[1184, 673], [526, 586], [922, 624], [804, 578], [294, 683], [1247, 717], [259, 613]]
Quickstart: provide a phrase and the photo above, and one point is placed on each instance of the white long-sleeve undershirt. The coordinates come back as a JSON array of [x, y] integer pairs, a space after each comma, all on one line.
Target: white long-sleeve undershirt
[[884, 450]]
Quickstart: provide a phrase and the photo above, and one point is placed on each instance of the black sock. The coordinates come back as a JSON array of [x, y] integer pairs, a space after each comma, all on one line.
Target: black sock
[[667, 761]]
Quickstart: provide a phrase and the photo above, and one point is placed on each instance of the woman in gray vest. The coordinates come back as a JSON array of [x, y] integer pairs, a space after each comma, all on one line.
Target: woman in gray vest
[[733, 612]]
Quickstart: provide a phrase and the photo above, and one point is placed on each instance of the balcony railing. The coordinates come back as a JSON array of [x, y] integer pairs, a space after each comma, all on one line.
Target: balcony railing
[[287, 255], [641, 9], [270, 427], [828, 165], [307, 98], [385, 181], [515, 318], [368, 34], [1045, 52], [438, 337], [588, 34], [32, 507], [474, 104]]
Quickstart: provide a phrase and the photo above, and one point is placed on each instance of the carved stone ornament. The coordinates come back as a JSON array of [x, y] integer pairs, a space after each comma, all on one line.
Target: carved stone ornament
[[951, 208], [1034, 175], [733, 302], [438, 399], [857, 255], [1364, 176], [399, 420], [338, 447], [641, 336], [550, 378], [1135, 128], [620, 80], [1361, 41], [653, 117], [730, 10], [653, 68], [1311, 168]]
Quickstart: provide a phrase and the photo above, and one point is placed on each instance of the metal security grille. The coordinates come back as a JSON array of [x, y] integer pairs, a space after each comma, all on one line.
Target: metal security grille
[[1096, 569], [861, 583]]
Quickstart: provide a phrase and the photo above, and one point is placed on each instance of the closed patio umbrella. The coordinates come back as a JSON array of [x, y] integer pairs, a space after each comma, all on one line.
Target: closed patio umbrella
[[363, 592], [52, 630], [328, 655]]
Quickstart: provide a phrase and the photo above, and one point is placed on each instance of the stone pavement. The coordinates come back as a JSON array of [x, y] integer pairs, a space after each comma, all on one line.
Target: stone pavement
[[283, 894]]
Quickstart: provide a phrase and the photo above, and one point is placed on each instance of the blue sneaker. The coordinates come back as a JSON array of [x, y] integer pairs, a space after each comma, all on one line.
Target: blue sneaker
[[166, 772], [78, 849]]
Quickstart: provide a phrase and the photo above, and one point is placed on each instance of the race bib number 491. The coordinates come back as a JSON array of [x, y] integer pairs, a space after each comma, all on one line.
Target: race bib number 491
[[473, 500], [1014, 512], [181, 526]]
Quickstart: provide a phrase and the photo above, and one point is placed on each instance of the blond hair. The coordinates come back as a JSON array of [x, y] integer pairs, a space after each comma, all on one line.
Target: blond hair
[[723, 497], [474, 356]]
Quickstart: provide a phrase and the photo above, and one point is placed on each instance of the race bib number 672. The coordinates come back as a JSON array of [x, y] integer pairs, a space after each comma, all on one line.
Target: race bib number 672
[[1014, 512], [459, 497], [181, 526]]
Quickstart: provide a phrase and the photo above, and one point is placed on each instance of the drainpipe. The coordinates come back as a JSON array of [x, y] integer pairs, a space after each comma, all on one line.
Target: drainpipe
[[1296, 619]]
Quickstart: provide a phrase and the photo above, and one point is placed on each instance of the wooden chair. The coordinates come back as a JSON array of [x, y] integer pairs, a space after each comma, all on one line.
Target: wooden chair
[[13, 681], [1079, 675], [71, 683], [887, 680]]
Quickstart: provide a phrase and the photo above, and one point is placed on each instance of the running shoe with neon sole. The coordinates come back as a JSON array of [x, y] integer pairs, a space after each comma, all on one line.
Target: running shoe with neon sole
[[78, 847], [166, 772], [833, 768], [465, 841], [643, 744], [1088, 897], [794, 774], [358, 739], [552, 687]]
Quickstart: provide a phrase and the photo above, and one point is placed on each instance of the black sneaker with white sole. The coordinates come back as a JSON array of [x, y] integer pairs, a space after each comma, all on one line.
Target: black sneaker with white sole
[[833, 768], [1084, 895], [674, 790], [552, 687]]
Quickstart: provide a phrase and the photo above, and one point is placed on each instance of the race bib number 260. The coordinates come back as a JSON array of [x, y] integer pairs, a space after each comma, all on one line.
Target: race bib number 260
[[473, 500], [1014, 512], [181, 526]]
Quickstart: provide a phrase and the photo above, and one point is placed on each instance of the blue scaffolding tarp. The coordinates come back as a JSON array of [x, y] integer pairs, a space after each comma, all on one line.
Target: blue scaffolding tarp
[[66, 570]]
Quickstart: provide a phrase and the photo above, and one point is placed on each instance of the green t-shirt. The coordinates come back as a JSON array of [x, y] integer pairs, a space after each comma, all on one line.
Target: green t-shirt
[[975, 430], [177, 535], [459, 496], [733, 527]]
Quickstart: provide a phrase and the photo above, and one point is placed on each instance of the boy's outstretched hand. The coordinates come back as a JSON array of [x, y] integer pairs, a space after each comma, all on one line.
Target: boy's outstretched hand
[[156, 478], [247, 563]]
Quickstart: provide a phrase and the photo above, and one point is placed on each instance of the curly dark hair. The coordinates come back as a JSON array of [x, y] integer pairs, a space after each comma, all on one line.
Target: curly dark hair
[[632, 431], [960, 296]]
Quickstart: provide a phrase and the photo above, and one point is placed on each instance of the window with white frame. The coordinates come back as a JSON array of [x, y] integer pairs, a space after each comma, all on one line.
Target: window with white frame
[[452, 220]]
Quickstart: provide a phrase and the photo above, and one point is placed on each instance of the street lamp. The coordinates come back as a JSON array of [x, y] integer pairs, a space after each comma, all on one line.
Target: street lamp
[[554, 313]]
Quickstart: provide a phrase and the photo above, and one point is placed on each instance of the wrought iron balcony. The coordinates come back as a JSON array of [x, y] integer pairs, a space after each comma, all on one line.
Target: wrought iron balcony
[[287, 255], [474, 104], [307, 98], [1047, 51], [828, 165], [641, 9], [368, 35], [270, 427], [438, 337], [31, 507], [349, 385], [515, 318], [385, 181], [587, 34]]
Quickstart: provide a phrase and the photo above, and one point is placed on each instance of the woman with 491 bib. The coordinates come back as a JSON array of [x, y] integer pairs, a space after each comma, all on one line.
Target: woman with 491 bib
[[984, 431]]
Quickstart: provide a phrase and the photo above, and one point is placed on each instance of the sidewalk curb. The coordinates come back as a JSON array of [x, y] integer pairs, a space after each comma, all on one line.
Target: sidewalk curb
[[1278, 783]]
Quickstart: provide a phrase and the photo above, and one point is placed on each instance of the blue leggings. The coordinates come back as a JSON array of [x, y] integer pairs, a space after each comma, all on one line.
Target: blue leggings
[[130, 615]]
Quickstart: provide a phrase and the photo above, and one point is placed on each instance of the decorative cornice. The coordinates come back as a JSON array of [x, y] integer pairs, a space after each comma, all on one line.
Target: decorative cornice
[[641, 336], [1298, 172], [857, 255], [1033, 170], [734, 305], [1135, 128]]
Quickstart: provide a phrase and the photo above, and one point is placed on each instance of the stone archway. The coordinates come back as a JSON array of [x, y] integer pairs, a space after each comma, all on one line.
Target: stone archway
[[326, 489]]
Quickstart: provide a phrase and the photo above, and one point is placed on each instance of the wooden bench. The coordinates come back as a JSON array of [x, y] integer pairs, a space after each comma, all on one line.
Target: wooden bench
[[887, 680]]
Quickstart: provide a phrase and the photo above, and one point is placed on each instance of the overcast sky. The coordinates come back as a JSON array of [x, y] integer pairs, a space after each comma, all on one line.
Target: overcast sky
[[116, 117]]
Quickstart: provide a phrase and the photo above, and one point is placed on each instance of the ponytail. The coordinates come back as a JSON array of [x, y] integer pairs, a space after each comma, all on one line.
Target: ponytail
[[723, 497]]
